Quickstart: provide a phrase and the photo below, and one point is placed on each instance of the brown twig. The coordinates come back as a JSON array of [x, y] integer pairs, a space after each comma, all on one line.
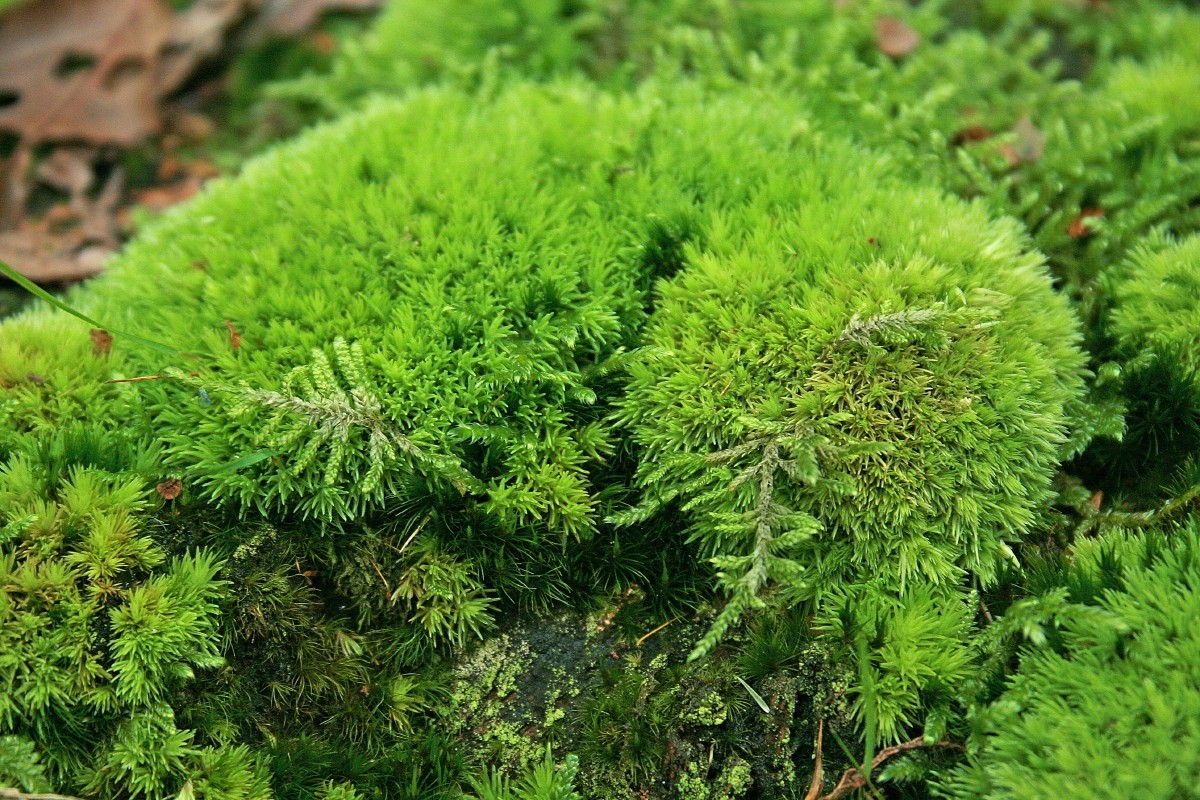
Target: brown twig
[[13, 794], [853, 778], [656, 630], [386, 585], [814, 788], [987, 614], [1092, 518]]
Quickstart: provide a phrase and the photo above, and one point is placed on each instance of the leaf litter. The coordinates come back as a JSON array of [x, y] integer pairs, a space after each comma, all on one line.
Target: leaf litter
[[83, 81]]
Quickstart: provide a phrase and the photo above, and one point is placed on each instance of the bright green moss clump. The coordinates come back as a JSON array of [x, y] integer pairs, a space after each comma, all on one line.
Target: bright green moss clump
[[1111, 711], [409, 334], [863, 380], [1153, 325], [423, 333], [424, 311], [637, 305], [98, 631]]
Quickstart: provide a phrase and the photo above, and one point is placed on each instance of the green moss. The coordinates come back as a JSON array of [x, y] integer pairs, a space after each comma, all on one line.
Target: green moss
[[379, 402], [733, 781], [639, 717], [953, 102], [1150, 336], [52, 375], [1119, 692], [616, 44], [1154, 310], [874, 384], [429, 352], [99, 629]]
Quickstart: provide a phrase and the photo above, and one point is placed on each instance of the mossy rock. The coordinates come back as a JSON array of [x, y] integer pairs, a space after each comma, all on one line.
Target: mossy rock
[[395, 332], [423, 365], [642, 718], [424, 332]]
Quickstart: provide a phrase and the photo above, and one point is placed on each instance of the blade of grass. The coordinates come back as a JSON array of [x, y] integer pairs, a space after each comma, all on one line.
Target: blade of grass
[[758, 698], [245, 461], [870, 710], [42, 294]]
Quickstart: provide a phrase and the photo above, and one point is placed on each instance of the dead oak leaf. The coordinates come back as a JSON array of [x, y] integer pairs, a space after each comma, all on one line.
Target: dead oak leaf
[[101, 342], [291, 18], [98, 217], [894, 37], [44, 257], [72, 240], [69, 169], [1080, 226], [1028, 146], [196, 34], [82, 69]]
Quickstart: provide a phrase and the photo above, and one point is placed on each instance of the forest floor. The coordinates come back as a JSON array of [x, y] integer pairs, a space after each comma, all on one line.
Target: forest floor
[[113, 111]]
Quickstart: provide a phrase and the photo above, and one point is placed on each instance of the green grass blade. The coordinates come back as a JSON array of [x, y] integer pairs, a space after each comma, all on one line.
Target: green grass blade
[[42, 294]]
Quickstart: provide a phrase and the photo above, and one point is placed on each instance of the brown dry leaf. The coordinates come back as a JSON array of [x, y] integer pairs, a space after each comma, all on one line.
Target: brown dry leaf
[[1079, 226], [45, 257], [170, 488], [191, 126], [1028, 146], [291, 18], [82, 69], [69, 169], [160, 198], [98, 218], [72, 240], [895, 38], [14, 190], [969, 134], [101, 342], [196, 34]]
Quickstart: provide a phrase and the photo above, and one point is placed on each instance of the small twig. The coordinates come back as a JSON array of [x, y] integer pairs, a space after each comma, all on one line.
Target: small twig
[[853, 778], [386, 585], [982, 605], [139, 378], [656, 630], [986, 614], [814, 788], [13, 794], [1094, 518], [413, 535]]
